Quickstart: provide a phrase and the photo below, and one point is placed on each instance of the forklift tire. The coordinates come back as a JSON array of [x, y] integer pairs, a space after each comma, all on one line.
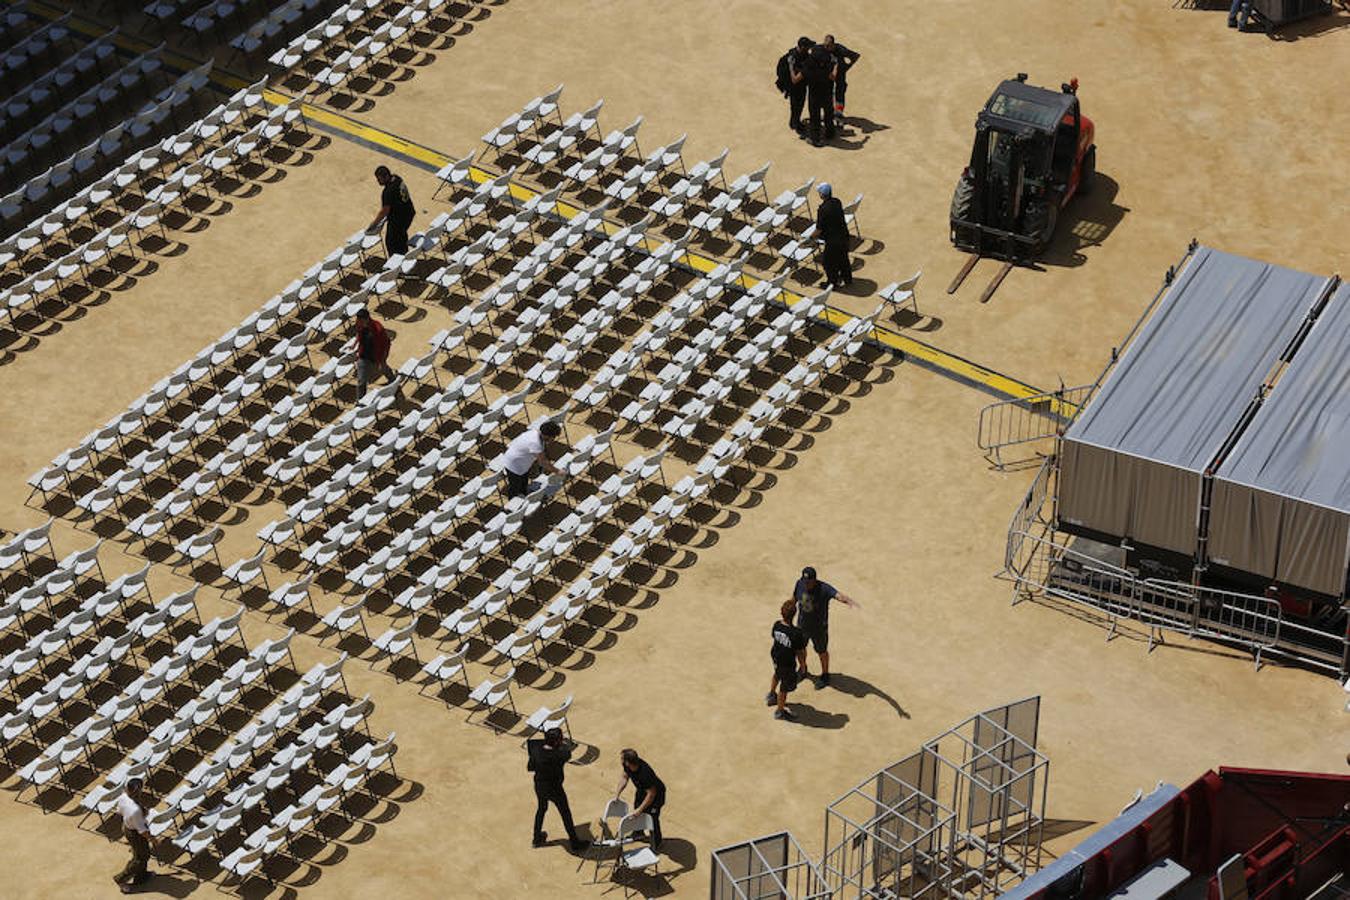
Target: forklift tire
[[1040, 224], [963, 200], [1088, 175]]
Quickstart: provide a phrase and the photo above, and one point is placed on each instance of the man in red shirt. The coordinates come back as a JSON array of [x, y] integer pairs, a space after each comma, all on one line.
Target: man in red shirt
[[372, 351]]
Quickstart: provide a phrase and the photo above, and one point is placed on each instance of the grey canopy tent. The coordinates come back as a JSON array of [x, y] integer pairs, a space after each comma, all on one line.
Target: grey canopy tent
[[1281, 501], [1132, 463]]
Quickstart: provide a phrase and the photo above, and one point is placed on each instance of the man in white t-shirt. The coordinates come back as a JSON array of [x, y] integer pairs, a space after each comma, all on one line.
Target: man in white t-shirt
[[137, 831], [526, 449]]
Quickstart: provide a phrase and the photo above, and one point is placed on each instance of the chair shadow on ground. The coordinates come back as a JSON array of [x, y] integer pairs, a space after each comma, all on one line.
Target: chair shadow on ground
[[679, 851], [856, 687]]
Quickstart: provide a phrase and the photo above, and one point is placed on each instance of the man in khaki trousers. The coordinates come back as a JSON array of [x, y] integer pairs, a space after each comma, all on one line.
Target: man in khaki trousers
[[136, 871]]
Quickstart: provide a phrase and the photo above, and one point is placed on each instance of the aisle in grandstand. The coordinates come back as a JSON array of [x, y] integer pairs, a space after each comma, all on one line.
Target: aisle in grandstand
[[668, 373], [103, 683]]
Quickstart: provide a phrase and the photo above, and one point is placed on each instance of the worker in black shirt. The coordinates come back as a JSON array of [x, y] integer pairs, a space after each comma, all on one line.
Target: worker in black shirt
[[547, 759], [844, 59], [813, 618], [820, 73], [650, 791], [396, 211], [794, 87], [832, 232], [788, 641]]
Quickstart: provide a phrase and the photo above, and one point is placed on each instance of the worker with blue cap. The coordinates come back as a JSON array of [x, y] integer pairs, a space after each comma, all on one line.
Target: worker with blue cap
[[832, 232]]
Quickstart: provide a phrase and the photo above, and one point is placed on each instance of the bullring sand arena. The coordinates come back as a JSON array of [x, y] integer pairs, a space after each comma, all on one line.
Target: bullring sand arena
[[873, 476]]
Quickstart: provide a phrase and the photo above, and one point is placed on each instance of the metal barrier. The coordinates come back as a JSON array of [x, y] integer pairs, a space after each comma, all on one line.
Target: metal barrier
[[1028, 420], [1038, 564], [1028, 512]]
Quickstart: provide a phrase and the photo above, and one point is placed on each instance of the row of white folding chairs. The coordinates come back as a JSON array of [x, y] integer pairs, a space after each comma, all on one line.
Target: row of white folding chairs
[[266, 29], [75, 266], [41, 591], [45, 644], [87, 105], [296, 818], [210, 16], [347, 16], [208, 474], [531, 564], [771, 219], [108, 148], [94, 608], [35, 45], [749, 357], [26, 546], [572, 603], [239, 749], [86, 671], [231, 155], [369, 460], [689, 359], [424, 471], [189, 718], [332, 437], [608, 568], [79, 740], [369, 49], [703, 175], [711, 218], [669, 321], [613, 149], [134, 168], [467, 502], [641, 176], [519, 124], [271, 773], [555, 142], [385, 558], [54, 83]]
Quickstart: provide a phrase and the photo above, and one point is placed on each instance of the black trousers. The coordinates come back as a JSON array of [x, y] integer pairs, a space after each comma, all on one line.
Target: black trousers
[[517, 485], [820, 103], [840, 89], [546, 793], [136, 869], [796, 100], [834, 259], [655, 813], [395, 236]]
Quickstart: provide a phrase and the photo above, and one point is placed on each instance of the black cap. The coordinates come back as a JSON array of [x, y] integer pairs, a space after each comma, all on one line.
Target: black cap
[[803, 42], [809, 573]]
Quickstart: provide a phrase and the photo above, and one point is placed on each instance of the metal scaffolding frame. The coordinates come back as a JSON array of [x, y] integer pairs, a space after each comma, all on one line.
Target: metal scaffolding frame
[[963, 817], [773, 867]]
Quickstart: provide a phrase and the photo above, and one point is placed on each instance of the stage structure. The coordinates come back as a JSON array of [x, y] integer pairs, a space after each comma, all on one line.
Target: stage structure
[[1200, 485], [773, 867]]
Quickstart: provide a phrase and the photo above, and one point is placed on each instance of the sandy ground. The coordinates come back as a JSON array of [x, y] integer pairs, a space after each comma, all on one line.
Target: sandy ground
[[887, 497]]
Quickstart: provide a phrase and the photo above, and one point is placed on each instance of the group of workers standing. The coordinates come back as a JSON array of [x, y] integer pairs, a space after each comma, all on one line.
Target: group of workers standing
[[815, 76]]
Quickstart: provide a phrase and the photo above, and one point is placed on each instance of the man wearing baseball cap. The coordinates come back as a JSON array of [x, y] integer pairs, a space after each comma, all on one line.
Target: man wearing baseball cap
[[813, 598]]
